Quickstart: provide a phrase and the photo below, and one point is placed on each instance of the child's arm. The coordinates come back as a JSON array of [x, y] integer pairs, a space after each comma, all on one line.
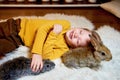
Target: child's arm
[[55, 46], [43, 31], [39, 41], [40, 37], [37, 59]]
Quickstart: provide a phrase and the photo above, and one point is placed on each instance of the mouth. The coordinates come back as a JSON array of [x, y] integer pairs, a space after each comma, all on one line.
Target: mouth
[[109, 59], [71, 34]]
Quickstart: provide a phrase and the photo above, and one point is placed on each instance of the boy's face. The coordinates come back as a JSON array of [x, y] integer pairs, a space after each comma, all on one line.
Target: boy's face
[[77, 37]]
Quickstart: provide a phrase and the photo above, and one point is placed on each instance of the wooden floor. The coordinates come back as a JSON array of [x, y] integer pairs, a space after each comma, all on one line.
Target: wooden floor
[[97, 15]]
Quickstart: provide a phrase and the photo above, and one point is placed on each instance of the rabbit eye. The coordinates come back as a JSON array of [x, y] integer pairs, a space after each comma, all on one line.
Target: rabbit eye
[[103, 53]]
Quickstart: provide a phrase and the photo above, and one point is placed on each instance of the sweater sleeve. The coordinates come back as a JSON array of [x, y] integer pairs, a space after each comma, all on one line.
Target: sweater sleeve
[[40, 38], [42, 33], [54, 46]]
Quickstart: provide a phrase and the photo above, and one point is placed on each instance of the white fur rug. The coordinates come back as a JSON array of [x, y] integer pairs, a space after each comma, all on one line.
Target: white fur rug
[[108, 71]]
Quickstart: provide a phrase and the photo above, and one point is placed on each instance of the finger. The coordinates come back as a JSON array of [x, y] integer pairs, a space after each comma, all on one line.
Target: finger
[[33, 66], [41, 66], [38, 67]]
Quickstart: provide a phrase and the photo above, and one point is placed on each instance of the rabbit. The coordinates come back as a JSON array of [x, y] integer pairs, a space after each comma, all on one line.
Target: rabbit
[[19, 67], [89, 56]]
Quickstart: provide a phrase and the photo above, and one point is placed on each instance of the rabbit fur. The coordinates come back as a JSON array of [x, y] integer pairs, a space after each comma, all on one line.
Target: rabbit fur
[[89, 56], [19, 67]]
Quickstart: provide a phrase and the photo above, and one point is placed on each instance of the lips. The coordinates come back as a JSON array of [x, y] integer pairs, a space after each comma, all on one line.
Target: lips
[[71, 34]]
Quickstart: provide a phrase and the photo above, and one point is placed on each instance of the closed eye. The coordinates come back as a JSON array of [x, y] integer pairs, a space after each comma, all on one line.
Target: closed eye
[[80, 31], [78, 41]]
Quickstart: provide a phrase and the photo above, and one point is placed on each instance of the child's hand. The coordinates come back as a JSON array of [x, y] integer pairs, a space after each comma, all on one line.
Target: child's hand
[[37, 63], [57, 28]]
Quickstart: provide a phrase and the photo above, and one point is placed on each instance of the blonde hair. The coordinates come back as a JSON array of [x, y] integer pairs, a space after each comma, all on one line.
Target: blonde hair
[[88, 42]]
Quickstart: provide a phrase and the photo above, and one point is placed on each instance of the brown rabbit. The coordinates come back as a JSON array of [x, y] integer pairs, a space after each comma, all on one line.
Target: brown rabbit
[[89, 56]]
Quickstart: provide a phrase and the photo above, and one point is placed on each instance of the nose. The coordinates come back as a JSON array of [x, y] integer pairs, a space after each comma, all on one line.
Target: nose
[[75, 35]]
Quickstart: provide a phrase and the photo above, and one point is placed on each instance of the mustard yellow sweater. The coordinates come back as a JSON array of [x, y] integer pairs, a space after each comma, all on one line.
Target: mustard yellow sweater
[[37, 34]]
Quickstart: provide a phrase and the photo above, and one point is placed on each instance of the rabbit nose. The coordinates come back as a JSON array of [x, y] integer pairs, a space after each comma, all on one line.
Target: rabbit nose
[[108, 59]]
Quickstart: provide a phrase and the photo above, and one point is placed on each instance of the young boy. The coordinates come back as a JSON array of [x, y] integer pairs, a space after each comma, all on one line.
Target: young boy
[[49, 39]]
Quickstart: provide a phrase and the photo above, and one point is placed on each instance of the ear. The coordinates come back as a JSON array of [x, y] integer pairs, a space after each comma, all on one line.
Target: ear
[[95, 43], [97, 37]]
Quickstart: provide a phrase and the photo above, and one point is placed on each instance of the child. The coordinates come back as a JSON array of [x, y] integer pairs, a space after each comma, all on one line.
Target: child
[[49, 39]]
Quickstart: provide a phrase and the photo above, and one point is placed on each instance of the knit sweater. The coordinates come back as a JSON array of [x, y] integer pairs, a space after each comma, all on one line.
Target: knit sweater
[[37, 34]]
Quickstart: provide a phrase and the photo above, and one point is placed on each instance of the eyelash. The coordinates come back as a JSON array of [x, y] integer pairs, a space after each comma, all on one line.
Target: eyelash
[[77, 41], [80, 32]]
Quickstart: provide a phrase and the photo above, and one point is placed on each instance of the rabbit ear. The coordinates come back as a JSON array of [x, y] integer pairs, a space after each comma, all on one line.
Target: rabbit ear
[[96, 35], [101, 51], [95, 43]]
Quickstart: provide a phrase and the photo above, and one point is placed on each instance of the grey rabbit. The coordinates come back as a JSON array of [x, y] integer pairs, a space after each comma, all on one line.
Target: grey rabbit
[[19, 67], [89, 56]]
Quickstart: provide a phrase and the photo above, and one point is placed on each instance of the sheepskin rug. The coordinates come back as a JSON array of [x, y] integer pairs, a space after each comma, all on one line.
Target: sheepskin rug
[[108, 71]]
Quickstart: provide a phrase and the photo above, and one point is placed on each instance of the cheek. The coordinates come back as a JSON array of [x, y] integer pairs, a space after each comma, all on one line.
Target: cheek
[[68, 41], [74, 42], [83, 43], [68, 35]]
